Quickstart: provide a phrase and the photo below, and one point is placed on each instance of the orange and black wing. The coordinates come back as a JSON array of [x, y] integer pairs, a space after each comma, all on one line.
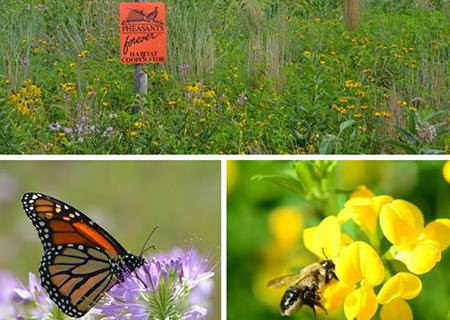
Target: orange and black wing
[[76, 267], [58, 223], [76, 277]]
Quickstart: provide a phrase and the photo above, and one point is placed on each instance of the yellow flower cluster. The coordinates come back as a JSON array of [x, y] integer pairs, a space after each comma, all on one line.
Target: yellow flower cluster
[[194, 87], [27, 98], [359, 267], [83, 54], [68, 87], [350, 84]]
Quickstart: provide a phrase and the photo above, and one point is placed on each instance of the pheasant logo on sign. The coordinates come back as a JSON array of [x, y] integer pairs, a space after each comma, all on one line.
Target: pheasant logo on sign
[[142, 32]]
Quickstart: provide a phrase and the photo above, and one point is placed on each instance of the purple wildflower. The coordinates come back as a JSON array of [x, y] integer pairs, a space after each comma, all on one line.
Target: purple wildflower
[[67, 97], [9, 283], [183, 69], [163, 288], [32, 301], [68, 130], [25, 62], [55, 126]]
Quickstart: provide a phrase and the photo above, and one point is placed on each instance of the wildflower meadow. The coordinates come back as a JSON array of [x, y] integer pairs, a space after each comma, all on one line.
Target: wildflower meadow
[[387, 236], [242, 77]]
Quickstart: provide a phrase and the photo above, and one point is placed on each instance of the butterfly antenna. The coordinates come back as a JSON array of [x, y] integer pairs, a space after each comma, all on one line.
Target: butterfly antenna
[[147, 240]]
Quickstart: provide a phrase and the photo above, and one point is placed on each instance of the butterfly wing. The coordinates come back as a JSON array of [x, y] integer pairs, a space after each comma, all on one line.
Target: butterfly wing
[[77, 265], [58, 223], [76, 276]]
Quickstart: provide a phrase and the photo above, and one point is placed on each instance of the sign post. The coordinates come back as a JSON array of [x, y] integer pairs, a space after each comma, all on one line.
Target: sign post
[[142, 37]]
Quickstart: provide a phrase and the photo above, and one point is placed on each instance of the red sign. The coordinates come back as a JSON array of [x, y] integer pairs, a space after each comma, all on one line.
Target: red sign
[[142, 32]]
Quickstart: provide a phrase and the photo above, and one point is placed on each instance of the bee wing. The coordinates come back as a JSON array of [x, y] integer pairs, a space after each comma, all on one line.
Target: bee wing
[[286, 280]]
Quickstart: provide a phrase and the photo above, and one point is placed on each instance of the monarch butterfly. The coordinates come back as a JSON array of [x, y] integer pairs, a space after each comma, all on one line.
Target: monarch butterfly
[[81, 261]]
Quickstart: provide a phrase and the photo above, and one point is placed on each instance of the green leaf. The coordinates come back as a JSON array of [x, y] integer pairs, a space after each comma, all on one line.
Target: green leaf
[[408, 136], [305, 174], [403, 146], [327, 145], [346, 124], [412, 122], [433, 115], [286, 182]]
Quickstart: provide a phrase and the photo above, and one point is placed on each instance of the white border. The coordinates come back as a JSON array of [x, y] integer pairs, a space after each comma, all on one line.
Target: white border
[[223, 245], [224, 157]]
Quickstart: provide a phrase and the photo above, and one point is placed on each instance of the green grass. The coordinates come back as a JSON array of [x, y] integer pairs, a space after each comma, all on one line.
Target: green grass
[[247, 76]]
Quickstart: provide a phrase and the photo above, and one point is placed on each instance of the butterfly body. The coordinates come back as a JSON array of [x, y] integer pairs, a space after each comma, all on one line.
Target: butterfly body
[[81, 261]]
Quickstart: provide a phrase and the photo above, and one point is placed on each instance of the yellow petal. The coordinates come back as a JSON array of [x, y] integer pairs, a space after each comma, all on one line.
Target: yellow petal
[[401, 222], [359, 261], [372, 268], [325, 238], [335, 293], [286, 224], [362, 192], [380, 201], [360, 304], [439, 231], [446, 171], [422, 258], [364, 211], [395, 310], [403, 285], [347, 264], [344, 215]]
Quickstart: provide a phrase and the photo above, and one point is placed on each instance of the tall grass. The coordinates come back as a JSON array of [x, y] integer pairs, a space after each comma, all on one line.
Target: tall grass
[[275, 73]]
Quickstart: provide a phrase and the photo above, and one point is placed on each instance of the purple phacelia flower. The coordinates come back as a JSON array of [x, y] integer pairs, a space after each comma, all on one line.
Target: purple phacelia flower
[[8, 283], [68, 130], [30, 302], [55, 126], [164, 288], [25, 62]]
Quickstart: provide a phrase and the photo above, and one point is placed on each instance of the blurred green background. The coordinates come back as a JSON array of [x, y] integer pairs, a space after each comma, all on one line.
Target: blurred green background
[[127, 198], [253, 259]]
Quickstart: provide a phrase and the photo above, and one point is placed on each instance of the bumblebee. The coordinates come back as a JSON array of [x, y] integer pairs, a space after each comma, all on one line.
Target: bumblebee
[[304, 287]]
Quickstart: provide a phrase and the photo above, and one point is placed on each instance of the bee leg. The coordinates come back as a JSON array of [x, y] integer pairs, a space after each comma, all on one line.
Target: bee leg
[[314, 310], [334, 276], [320, 305]]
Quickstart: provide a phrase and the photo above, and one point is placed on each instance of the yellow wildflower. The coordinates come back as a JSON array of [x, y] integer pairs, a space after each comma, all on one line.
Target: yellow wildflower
[[402, 286], [418, 247], [138, 124], [446, 171], [349, 84], [68, 87], [133, 133], [194, 88], [209, 94], [172, 103], [360, 93], [307, 54], [26, 98], [164, 76], [83, 54]]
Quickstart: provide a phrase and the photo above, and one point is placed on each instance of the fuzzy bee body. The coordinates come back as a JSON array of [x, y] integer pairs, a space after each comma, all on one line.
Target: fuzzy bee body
[[305, 287]]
